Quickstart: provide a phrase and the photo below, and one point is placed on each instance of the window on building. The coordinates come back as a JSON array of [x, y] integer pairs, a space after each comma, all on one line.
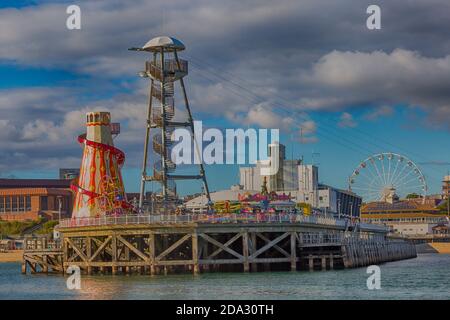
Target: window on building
[[7, 204], [2, 204], [15, 203], [28, 203], [44, 203], [21, 203]]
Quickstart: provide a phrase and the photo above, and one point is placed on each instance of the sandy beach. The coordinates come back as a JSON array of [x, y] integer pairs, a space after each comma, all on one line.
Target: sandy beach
[[441, 247], [11, 256]]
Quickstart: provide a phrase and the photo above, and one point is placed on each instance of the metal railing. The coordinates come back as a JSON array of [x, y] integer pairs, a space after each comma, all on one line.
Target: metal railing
[[320, 238], [200, 218], [41, 243], [373, 227]]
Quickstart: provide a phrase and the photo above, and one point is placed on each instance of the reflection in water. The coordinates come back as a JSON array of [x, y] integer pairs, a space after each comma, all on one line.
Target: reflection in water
[[409, 279]]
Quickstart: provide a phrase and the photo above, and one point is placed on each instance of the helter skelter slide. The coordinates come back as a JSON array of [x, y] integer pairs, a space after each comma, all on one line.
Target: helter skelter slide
[[99, 189]]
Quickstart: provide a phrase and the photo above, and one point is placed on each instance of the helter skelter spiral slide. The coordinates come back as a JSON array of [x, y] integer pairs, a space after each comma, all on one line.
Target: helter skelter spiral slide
[[99, 189]]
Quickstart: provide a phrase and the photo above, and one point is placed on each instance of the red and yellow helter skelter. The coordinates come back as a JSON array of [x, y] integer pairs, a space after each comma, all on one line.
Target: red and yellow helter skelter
[[99, 189]]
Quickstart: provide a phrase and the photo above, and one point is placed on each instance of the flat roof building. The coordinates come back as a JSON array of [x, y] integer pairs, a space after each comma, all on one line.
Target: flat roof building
[[31, 199]]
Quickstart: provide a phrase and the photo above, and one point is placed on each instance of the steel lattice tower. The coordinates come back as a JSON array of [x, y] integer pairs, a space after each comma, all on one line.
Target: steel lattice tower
[[164, 70]]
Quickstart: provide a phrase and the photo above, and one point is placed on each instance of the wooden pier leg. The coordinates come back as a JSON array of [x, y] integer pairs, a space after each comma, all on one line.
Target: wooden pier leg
[[32, 267], [151, 245], [253, 266], [344, 254], [114, 254], [205, 254], [293, 252], [245, 251], [65, 254], [45, 264], [114, 270], [89, 254], [311, 262], [331, 261], [324, 263], [24, 267], [195, 266], [152, 269]]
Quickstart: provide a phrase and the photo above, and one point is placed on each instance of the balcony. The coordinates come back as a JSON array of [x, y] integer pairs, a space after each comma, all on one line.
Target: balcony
[[171, 70]]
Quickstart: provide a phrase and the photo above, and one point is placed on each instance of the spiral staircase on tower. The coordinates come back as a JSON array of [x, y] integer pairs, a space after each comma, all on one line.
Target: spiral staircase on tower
[[164, 70]]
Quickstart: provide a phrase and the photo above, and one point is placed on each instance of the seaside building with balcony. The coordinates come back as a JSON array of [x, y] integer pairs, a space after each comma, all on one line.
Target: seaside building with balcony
[[407, 216]]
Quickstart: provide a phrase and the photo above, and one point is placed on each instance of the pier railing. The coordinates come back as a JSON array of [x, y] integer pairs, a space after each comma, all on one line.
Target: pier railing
[[41, 244], [199, 218], [216, 219]]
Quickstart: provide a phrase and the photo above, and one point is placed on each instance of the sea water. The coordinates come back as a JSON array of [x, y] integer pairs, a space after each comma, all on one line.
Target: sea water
[[425, 277]]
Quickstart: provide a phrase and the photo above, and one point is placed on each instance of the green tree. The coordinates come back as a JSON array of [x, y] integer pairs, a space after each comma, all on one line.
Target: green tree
[[443, 207]]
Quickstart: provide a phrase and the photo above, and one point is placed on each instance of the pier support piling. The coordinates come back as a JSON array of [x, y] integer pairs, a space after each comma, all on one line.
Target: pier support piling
[[195, 265], [245, 251], [311, 262], [293, 251]]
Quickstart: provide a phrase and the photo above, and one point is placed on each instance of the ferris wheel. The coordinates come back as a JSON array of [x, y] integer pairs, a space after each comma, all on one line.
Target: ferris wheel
[[385, 176]]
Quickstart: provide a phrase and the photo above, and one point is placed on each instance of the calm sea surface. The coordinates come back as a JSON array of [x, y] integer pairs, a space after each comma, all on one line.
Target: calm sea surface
[[427, 277]]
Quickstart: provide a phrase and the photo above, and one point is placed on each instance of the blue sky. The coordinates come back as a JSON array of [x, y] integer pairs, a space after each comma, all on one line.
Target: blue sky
[[354, 93]]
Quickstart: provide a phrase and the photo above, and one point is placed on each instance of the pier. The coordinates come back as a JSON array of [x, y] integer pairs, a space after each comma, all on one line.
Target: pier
[[163, 244]]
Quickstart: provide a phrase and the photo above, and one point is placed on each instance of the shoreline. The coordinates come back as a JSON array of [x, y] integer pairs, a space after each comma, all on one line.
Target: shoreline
[[441, 247], [11, 256]]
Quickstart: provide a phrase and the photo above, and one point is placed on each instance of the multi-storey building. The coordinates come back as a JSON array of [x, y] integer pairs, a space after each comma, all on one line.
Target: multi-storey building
[[302, 181]]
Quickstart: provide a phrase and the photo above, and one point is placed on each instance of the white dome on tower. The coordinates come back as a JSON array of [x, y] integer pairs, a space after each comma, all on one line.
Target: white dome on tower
[[168, 43]]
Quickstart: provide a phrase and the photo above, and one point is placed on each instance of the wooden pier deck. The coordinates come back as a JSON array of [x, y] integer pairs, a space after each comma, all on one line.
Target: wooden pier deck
[[197, 243]]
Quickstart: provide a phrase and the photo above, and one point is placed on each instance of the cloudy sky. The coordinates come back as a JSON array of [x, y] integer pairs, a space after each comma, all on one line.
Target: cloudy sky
[[308, 66]]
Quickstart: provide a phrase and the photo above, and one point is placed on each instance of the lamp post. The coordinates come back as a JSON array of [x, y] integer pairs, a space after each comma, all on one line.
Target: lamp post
[[351, 210], [448, 195], [339, 208], [59, 198], [152, 199]]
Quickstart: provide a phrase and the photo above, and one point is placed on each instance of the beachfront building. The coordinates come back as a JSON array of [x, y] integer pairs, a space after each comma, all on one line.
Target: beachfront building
[[302, 182], [441, 229], [285, 179], [31, 199], [338, 202], [407, 217]]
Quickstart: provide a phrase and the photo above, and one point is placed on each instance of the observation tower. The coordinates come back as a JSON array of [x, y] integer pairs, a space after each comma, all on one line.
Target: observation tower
[[165, 69]]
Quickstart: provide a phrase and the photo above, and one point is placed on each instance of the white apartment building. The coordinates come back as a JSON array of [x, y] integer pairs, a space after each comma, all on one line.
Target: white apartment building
[[302, 181]]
